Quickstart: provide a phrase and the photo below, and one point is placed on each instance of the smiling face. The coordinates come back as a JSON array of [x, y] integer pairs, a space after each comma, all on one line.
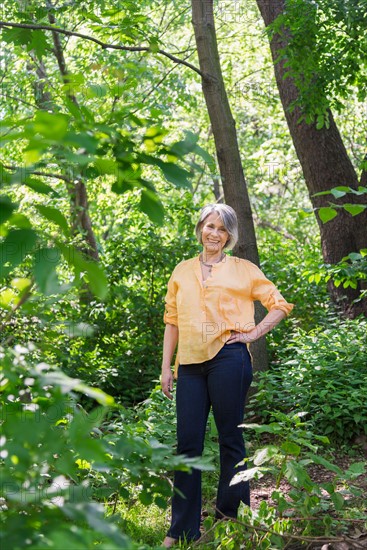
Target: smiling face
[[214, 235]]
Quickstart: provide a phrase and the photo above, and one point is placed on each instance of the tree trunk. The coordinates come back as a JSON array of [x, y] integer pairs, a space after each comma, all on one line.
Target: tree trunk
[[325, 164], [79, 209], [80, 219], [226, 144]]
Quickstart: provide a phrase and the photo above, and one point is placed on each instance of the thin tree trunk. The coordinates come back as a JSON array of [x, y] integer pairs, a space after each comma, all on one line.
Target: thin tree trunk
[[325, 164], [79, 208], [225, 138]]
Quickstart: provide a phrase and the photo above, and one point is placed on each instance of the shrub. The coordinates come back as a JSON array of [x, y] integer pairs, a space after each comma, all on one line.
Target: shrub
[[59, 462], [321, 372]]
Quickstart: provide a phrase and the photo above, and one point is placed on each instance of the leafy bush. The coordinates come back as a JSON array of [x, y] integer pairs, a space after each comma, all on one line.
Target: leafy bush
[[115, 344], [322, 372], [47, 438], [309, 509], [58, 460]]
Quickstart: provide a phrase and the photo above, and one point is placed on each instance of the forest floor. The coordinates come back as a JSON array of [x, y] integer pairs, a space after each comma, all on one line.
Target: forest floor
[[149, 524]]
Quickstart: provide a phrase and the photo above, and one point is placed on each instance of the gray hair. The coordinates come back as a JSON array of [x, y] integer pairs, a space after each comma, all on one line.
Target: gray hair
[[228, 217]]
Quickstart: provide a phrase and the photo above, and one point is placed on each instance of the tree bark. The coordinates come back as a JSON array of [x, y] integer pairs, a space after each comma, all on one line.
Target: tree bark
[[325, 164], [79, 209], [226, 144]]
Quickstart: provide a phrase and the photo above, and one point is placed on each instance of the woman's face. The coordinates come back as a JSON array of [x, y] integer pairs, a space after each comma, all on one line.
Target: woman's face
[[213, 234]]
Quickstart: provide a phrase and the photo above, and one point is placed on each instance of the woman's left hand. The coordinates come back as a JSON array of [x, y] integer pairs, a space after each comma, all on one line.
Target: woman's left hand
[[242, 337]]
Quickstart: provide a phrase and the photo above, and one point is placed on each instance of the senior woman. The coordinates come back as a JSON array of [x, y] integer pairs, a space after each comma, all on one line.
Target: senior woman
[[210, 315]]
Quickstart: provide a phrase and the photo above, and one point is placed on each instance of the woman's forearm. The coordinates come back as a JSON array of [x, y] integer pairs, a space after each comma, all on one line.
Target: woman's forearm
[[169, 345], [271, 320]]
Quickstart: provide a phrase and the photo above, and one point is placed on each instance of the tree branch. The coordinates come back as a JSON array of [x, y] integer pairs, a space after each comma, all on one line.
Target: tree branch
[[37, 173], [263, 223], [103, 45], [61, 59]]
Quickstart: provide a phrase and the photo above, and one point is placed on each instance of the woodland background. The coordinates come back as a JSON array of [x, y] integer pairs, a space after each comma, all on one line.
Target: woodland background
[[119, 120]]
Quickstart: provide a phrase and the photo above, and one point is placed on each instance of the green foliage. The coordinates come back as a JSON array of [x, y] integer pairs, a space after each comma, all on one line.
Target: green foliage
[[60, 462], [348, 272], [131, 127], [325, 54], [328, 213], [308, 509], [322, 372], [46, 437]]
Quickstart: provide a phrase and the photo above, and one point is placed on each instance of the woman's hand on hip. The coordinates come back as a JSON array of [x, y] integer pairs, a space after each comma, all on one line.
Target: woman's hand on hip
[[242, 337], [167, 382]]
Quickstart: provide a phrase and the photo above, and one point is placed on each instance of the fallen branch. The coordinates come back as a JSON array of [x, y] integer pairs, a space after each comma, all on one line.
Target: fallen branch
[[353, 544]]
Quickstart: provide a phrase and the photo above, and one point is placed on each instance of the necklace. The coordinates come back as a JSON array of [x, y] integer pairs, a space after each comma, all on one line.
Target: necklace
[[210, 266]]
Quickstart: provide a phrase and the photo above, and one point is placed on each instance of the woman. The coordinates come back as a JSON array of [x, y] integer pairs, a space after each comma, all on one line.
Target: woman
[[210, 314]]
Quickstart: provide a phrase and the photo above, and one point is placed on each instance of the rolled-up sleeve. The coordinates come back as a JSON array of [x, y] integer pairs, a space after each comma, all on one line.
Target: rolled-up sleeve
[[266, 292], [170, 310]]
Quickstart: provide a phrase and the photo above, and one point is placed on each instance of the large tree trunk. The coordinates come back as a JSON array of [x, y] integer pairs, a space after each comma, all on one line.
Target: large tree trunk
[[225, 138], [325, 164]]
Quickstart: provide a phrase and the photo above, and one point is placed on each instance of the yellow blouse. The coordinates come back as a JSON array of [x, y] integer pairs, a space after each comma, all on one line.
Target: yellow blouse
[[207, 312]]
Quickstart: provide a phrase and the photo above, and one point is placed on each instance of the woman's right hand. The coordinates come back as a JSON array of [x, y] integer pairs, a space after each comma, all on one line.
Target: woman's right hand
[[167, 382]]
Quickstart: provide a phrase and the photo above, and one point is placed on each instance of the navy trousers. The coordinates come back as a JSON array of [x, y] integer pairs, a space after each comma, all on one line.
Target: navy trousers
[[221, 383]]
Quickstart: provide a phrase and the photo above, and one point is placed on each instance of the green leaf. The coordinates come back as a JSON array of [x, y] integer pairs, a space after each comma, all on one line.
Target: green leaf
[[15, 247], [95, 393], [327, 213], [6, 209], [20, 220], [161, 502], [152, 206], [50, 125], [337, 193], [97, 279], [354, 209], [105, 166], [320, 122], [145, 498], [94, 272], [273, 427], [92, 513], [353, 256], [40, 187], [17, 36], [290, 448], [38, 43], [53, 215], [45, 262], [246, 475], [175, 174], [328, 465], [209, 159], [185, 146], [83, 140], [67, 384], [171, 171], [337, 500], [154, 45], [297, 475], [265, 454], [78, 330], [355, 470]]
